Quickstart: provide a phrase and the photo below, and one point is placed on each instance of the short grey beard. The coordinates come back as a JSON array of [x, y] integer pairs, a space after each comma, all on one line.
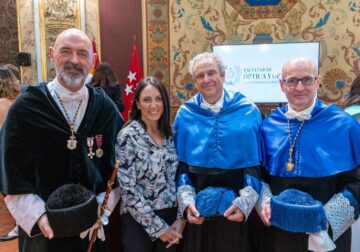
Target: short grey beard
[[71, 80]]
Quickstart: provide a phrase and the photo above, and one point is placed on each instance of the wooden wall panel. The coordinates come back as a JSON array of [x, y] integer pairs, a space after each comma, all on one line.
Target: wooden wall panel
[[9, 41], [120, 23]]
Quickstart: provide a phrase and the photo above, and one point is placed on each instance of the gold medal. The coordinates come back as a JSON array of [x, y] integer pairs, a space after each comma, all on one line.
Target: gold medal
[[99, 141], [289, 166], [99, 152], [71, 144]]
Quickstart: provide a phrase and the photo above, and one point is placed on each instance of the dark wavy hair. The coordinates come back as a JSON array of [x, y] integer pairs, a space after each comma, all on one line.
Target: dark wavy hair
[[14, 69], [9, 84], [164, 121], [104, 76], [354, 95]]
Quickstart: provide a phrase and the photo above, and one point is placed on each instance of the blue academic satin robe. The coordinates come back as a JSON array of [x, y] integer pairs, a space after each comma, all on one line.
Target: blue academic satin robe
[[226, 140], [221, 150], [327, 144]]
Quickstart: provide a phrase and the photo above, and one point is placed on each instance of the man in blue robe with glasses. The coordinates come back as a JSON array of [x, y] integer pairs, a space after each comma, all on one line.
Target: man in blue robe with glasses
[[313, 148]]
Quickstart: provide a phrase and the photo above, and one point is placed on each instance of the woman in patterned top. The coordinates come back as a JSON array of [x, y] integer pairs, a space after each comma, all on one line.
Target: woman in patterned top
[[149, 216]]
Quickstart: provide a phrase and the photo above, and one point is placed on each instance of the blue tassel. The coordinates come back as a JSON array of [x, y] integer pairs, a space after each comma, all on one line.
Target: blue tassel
[[226, 201], [214, 201], [207, 201], [296, 211]]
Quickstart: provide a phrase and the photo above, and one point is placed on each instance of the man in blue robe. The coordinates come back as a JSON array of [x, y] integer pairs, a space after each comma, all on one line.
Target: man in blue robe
[[216, 136], [314, 148]]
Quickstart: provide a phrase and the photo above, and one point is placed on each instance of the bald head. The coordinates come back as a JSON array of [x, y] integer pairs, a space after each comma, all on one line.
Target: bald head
[[301, 64], [73, 58], [72, 33]]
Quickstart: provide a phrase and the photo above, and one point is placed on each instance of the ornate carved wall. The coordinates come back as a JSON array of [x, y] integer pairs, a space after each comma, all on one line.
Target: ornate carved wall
[[9, 46], [55, 16], [27, 39], [51, 17], [179, 29]]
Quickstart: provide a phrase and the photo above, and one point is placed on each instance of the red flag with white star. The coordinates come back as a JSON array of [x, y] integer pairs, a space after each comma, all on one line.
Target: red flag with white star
[[133, 78]]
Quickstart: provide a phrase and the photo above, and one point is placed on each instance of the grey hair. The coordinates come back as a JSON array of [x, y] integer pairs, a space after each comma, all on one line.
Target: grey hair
[[206, 57]]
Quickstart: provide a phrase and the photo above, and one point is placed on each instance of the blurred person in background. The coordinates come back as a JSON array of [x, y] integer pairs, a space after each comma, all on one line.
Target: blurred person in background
[[352, 103], [105, 78], [9, 90], [15, 70]]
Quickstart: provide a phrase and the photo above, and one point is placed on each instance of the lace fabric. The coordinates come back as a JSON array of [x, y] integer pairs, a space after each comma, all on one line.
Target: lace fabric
[[264, 197], [246, 201], [340, 214], [185, 196]]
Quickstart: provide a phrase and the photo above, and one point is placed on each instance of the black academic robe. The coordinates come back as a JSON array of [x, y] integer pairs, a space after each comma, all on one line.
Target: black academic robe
[[34, 157], [217, 234]]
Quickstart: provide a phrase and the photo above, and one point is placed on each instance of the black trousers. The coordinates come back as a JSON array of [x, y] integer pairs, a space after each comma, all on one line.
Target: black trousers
[[135, 239]]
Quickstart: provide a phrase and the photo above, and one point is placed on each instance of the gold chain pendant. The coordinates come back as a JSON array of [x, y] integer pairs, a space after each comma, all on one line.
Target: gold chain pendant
[[290, 164], [71, 142]]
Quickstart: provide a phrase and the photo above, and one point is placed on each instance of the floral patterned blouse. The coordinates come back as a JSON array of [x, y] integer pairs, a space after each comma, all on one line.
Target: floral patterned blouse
[[146, 177]]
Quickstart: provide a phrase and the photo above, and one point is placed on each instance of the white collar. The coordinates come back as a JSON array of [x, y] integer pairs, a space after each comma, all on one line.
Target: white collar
[[300, 115], [216, 107], [65, 94]]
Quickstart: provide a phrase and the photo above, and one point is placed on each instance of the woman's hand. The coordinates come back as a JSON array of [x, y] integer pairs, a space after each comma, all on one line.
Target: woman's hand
[[171, 237], [179, 226]]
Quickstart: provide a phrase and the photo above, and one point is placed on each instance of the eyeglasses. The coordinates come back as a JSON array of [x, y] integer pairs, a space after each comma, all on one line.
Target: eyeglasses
[[306, 81]]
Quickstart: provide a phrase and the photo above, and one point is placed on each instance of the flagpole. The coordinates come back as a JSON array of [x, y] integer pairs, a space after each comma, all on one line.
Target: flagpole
[[144, 36]]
